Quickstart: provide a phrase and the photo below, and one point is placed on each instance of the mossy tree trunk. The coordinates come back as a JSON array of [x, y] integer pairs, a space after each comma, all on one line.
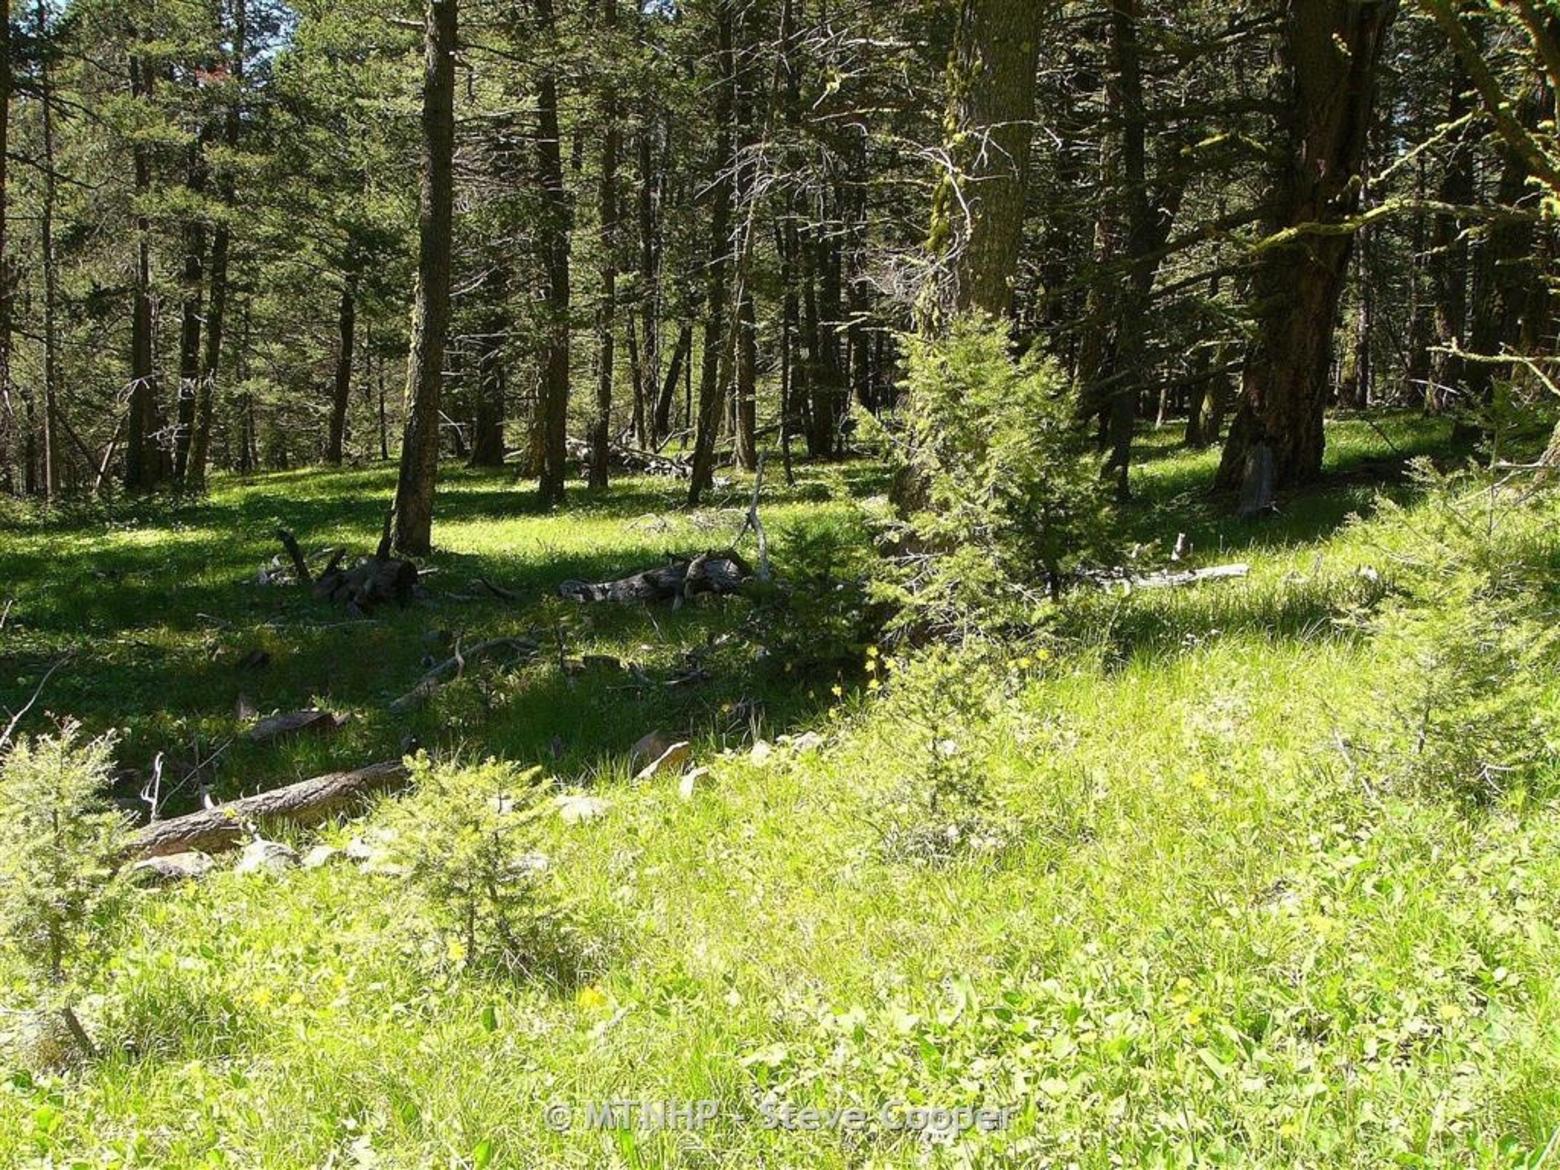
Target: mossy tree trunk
[[978, 210]]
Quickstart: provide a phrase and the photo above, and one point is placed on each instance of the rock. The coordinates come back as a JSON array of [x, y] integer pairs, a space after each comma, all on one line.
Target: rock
[[374, 852], [266, 856], [762, 752], [175, 867], [576, 808], [359, 850], [808, 741], [672, 760], [689, 781], [649, 749], [320, 855]]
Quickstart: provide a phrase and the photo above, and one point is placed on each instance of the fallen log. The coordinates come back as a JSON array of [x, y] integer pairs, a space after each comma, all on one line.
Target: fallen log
[[678, 580], [454, 666], [370, 582], [295, 723], [1168, 579], [625, 458], [306, 802]]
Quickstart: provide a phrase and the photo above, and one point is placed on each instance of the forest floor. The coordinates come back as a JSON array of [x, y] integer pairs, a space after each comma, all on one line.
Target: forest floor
[[1203, 941]]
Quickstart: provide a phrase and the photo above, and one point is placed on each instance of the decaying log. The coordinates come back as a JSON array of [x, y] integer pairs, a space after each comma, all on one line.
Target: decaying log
[[631, 459], [295, 722], [369, 582], [307, 802], [1169, 578], [677, 580], [454, 666]]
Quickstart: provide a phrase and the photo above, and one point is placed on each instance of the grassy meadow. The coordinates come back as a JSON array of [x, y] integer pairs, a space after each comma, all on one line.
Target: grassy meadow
[[1204, 932]]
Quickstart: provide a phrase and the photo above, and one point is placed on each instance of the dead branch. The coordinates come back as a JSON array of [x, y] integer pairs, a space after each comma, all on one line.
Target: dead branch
[[17, 717], [455, 666]]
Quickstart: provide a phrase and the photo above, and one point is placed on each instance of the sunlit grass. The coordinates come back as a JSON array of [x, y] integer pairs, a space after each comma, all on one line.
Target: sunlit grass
[[1206, 941]]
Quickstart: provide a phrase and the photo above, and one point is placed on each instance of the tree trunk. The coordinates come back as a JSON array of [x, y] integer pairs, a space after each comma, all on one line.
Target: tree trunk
[[978, 210], [682, 351], [51, 341], [649, 286], [7, 408], [346, 326], [1146, 230], [200, 442], [552, 229], [606, 316], [1331, 50], [192, 280], [413, 529], [1507, 270], [710, 390], [1449, 247], [747, 384], [487, 444], [141, 457]]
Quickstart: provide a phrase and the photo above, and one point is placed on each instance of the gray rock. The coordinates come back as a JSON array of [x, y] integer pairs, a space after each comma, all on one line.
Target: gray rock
[[320, 855], [261, 856], [175, 867]]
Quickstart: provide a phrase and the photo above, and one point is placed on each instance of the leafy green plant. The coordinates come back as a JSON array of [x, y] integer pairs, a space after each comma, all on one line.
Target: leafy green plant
[[468, 840], [1006, 499], [60, 843]]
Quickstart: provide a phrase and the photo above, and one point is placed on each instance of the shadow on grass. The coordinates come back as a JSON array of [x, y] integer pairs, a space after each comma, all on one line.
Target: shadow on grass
[[159, 602]]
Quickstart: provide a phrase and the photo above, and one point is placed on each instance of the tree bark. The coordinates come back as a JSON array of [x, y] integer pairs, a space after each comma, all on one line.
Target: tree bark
[[552, 229], [7, 408], [142, 469], [346, 328], [307, 802], [200, 442], [51, 341], [682, 351], [1449, 256], [606, 316], [412, 534], [978, 209], [487, 444], [707, 424], [1331, 51], [192, 280], [649, 284]]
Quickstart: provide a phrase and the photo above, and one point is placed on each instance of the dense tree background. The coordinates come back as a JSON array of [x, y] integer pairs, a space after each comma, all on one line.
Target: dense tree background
[[703, 226]]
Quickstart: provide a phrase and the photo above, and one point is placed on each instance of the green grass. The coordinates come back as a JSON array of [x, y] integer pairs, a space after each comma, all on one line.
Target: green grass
[[1208, 941]]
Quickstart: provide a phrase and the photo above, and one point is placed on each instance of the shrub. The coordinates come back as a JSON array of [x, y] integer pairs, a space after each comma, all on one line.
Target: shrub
[[1469, 642], [942, 806], [60, 842], [819, 620], [467, 837], [1007, 500]]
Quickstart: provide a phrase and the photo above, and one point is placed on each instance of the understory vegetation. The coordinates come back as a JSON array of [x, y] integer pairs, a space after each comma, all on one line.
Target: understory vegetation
[[1257, 872]]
